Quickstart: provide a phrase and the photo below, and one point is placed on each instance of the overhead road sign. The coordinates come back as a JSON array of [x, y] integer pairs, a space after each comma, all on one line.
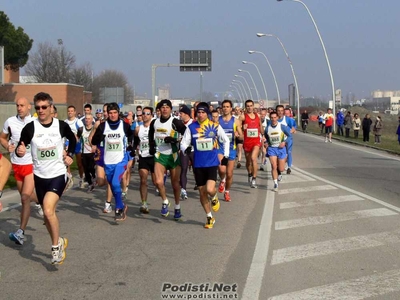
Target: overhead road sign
[[195, 60]]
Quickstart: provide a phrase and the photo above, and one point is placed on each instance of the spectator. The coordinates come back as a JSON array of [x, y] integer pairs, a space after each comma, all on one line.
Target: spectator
[[340, 122], [356, 125], [398, 132], [366, 127], [378, 129], [321, 121], [347, 123]]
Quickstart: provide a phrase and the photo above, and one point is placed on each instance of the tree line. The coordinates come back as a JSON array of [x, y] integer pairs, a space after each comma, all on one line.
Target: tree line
[[54, 63]]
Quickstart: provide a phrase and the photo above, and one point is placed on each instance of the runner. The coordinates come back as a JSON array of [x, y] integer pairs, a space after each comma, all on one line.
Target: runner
[[76, 126], [87, 154], [204, 134], [45, 136], [5, 169], [114, 133], [232, 130], [277, 135], [163, 134], [98, 150], [238, 140], [146, 161], [264, 120], [184, 112], [251, 124], [286, 120], [329, 119], [22, 166]]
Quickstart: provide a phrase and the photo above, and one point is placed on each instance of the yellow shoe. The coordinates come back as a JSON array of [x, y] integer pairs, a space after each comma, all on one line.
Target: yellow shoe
[[210, 223], [215, 203]]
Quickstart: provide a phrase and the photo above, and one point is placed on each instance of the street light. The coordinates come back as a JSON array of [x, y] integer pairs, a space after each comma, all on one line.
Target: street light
[[237, 91], [262, 80], [248, 86], [291, 67], [241, 88], [326, 56], [252, 79]]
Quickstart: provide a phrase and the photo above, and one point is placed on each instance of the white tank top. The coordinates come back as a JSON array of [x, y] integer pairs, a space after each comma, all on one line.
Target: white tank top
[[114, 144], [162, 130], [86, 147], [143, 135], [283, 121], [47, 150], [13, 126], [275, 135]]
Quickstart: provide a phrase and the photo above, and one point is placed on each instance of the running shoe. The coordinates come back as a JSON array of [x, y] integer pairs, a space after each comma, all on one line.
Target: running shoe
[[184, 195], [210, 223], [221, 187], [107, 208], [275, 187], [81, 183], [326, 140], [253, 183], [227, 196], [330, 141], [144, 209], [58, 253], [279, 178], [120, 214], [215, 203], [288, 171], [70, 182], [164, 209], [90, 188], [17, 237], [39, 209], [177, 215], [238, 165]]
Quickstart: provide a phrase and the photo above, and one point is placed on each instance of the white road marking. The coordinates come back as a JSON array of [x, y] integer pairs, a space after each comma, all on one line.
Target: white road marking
[[257, 268], [326, 200], [340, 217], [390, 206], [10, 207], [353, 289], [295, 177], [289, 254], [307, 189]]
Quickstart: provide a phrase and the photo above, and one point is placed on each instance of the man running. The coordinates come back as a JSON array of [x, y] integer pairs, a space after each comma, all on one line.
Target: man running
[[163, 134], [232, 130], [251, 124], [286, 120], [185, 112], [277, 135], [76, 126], [146, 160], [22, 166], [87, 154], [45, 137], [114, 133], [204, 134]]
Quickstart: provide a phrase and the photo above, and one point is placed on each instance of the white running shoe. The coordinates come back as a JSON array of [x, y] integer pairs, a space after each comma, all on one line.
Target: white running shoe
[[17, 237], [107, 208], [39, 209], [70, 182]]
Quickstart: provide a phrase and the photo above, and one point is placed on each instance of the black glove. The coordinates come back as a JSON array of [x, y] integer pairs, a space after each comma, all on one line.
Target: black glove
[[224, 161], [152, 148], [170, 139], [188, 150]]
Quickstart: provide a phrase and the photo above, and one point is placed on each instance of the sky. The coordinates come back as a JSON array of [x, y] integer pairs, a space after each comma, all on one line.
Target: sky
[[361, 38]]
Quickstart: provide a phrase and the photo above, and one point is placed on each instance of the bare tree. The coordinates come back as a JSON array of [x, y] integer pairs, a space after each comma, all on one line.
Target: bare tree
[[111, 79], [51, 63], [82, 75]]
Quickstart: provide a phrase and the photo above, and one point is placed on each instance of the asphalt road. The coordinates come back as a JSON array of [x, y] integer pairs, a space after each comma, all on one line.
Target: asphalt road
[[331, 232]]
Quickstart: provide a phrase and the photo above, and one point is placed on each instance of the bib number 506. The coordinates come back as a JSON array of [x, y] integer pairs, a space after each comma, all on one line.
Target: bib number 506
[[47, 154]]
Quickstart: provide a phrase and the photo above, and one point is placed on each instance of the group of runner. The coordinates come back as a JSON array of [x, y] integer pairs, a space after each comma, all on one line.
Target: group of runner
[[164, 143]]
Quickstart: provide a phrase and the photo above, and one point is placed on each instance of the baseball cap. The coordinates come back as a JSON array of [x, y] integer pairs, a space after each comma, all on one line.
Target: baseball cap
[[99, 111]]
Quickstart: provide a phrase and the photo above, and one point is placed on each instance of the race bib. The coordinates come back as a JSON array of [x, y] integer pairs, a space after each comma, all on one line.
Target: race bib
[[114, 146], [144, 146], [252, 132], [47, 153], [160, 139], [204, 144]]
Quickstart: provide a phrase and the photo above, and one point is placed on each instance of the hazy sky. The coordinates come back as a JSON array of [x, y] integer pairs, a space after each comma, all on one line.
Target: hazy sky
[[361, 38]]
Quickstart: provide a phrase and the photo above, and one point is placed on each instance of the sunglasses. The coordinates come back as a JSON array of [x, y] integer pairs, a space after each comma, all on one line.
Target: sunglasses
[[44, 107], [147, 113]]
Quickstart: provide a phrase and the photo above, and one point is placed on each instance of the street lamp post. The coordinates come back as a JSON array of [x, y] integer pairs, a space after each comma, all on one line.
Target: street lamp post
[[326, 56], [241, 88], [248, 86], [237, 91], [262, 80], [252, 79], [291, 67]]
